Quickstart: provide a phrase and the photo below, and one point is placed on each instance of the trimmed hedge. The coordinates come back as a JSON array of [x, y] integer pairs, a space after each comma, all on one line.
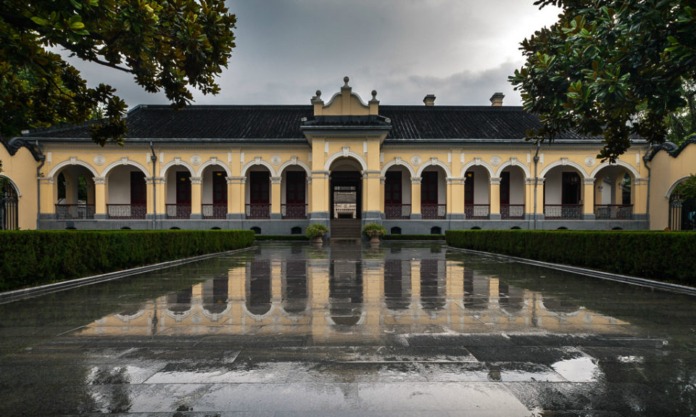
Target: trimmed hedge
[[663, 256], [413, 237], [30, 258]]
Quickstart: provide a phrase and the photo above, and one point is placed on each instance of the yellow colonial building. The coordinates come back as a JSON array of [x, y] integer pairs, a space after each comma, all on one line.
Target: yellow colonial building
[[344, 162]]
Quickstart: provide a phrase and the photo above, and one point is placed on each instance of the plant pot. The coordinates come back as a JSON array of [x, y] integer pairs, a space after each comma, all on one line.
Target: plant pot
[[318, 240]]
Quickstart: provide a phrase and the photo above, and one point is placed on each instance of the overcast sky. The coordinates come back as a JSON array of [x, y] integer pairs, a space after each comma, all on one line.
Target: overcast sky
[[460, 50]]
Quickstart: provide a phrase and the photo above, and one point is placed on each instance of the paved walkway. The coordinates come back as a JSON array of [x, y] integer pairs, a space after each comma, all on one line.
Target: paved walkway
[[403, 330]]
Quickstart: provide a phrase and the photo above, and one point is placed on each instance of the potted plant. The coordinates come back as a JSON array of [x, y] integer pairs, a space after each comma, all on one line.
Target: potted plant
[[374, 231], [315, 232]]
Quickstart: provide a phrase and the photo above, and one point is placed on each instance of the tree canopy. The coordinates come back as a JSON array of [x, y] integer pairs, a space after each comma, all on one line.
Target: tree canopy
[[167, 45], [609, 67]]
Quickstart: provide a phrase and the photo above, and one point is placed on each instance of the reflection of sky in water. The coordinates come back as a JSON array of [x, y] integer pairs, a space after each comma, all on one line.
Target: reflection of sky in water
[[581, 369]]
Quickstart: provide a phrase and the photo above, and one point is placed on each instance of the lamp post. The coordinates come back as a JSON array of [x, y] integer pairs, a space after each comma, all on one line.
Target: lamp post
[[153, 158]]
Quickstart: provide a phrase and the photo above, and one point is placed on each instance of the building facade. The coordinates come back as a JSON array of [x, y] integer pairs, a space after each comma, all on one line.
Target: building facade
[[276, 169]]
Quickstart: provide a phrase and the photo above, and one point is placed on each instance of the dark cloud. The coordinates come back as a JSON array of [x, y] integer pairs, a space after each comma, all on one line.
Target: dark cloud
[[460, 50]]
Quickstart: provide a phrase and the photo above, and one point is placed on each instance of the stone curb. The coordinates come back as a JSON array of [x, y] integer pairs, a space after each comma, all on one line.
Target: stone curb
[[643, 282], [11, 296]]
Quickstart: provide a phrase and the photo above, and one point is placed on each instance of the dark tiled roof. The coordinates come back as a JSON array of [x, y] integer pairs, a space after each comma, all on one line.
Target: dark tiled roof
[[444, 123], [274, 124]]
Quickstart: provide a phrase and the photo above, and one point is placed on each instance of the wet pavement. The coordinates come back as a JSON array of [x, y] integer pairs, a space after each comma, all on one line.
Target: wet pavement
[[406, 329]]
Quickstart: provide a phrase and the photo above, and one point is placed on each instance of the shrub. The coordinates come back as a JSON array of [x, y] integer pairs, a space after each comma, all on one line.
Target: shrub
[[315, 230], [29, 258], [654, 255], [374, 230]]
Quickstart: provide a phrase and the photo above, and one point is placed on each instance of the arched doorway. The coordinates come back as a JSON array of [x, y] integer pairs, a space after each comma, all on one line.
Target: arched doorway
[[75, 193], [613, 195], [345, 189], [126, 193], [9, 212], [563, 193], [682, 207]]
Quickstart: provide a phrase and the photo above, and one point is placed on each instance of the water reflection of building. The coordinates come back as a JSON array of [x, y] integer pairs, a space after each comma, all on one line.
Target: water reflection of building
[[336, 298]]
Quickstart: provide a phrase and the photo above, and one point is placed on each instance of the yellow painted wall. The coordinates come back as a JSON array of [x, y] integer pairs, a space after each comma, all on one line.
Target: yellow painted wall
[[21, 171], [667, 172]]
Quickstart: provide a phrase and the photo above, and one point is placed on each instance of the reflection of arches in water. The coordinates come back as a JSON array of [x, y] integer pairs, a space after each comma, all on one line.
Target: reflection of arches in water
[[131, 312], [560, 306], [432, 284], [215, 295], [345, 291], [295, 277], [397, 284], [511, 299], [475, 291], [180, 302], [258, 291]]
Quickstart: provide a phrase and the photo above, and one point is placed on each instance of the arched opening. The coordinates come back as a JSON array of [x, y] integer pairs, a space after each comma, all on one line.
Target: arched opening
[[433, 193], [345, 196], [477, 193], [396, 230], [294, 193], [258, 289], [433, 288], [397, 193], [563, 193], [476, 290], [512, 193], [258, 193], [397, 283], [178, 200], [9, 205], [126, 193], [214, 189], [682, 207], [345, 291], [613, 193], [75, 193], [295, 285], [215, 295], [180, 302]]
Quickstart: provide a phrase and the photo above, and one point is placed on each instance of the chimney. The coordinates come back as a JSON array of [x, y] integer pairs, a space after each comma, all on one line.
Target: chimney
[[497, 99], [429, 100]]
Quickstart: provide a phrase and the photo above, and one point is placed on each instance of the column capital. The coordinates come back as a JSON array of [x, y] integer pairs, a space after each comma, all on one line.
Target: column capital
[[495, 180], [455, 180], [640, 181], [530, 181], [236, 180], [47, 180], [276, 180], [416, 180], [99, 180], [589, 181], [196, 180]]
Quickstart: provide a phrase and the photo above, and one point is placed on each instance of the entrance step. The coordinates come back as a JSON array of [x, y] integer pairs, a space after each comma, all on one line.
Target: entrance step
[[345, 228]]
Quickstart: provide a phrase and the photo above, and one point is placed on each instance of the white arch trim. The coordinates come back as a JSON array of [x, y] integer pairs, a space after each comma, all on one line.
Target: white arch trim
[[563, 163], [72, 161], [175, 162], [675, 185], [398, 162], [623, 164], [12, 183], [294, 162], [507, 164], [434, 162], [479, 163], [345, 154], [124, 161], [258, 161], [213, 162]]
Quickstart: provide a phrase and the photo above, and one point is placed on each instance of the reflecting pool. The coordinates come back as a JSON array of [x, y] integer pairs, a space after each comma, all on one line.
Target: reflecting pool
[[291, 329]]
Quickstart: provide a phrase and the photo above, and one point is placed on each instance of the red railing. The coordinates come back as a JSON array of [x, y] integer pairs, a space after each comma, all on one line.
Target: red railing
[[178, 211], [512, 211], [214, 211], [397, 211], [563, 211], [126, 211], [614, 211], [74, 211], [258, 211], [433, 211], [477, 211], [294, 211]]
